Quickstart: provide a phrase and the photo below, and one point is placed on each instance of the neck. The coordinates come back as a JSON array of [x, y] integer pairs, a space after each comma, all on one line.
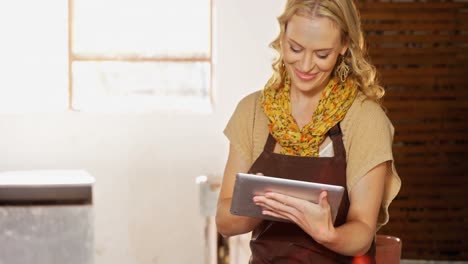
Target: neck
[[303, 106], [304, 103], [306, 98]]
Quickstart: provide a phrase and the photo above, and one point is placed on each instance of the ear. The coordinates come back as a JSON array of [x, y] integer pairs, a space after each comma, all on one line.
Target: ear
[[345, 47]]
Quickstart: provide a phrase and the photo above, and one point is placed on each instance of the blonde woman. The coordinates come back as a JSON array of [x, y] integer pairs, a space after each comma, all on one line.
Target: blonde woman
[[317, 119]]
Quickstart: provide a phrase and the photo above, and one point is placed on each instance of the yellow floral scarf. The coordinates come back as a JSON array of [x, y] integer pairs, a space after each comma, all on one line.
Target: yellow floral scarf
[[334, 102]]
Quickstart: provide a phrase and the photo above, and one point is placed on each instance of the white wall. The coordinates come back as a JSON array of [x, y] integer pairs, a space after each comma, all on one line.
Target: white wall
[[146, 200]]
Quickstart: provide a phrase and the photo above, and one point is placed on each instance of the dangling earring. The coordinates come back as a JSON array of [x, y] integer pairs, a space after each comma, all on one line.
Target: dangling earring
[[342, 70], [286, 78], [285, 74]]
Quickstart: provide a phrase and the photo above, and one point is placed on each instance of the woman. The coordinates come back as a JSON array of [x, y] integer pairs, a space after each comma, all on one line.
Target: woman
[[318, 119]]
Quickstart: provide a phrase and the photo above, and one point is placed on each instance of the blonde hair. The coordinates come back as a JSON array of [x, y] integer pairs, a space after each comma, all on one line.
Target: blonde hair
[[345, 15]]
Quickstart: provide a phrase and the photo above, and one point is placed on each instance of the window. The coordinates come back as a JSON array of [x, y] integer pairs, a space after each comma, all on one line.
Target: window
[[139, 54], [121, 54]]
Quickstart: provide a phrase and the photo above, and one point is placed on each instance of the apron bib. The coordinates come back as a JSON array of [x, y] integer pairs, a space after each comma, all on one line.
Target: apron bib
[[278, 242]]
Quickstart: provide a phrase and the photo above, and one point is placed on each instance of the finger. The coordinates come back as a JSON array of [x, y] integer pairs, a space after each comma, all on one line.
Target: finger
[[264, 206], [285, 210], [282, 215], [323, 200], [259, 173], [274, 214], [274, 204], [290, 201], [262, 202]]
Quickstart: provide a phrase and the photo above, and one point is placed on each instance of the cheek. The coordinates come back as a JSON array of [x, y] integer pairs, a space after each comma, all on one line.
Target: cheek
[[326, 65], [290, 57]]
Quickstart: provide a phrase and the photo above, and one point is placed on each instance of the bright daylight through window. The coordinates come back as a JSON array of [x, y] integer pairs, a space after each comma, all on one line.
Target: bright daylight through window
[[140, 54]]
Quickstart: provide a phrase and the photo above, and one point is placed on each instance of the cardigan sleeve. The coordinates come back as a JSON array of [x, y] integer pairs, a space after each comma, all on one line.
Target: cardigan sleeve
[[239, 129], [368, 138]]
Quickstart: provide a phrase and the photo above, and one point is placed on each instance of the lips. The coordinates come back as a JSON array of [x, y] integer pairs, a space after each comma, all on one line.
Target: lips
[[305, 76]]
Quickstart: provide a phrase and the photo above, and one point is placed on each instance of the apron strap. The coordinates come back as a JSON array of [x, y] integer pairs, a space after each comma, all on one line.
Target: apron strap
[[337, 138], [270, 144]]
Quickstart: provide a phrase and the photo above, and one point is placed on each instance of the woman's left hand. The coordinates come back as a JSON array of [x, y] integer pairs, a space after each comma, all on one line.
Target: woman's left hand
[[314, 219]]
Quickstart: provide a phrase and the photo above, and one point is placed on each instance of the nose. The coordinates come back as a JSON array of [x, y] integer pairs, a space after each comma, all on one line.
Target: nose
[[306, 63]]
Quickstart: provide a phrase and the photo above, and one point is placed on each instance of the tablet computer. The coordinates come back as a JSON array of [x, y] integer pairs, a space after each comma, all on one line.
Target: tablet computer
[[248, 185]]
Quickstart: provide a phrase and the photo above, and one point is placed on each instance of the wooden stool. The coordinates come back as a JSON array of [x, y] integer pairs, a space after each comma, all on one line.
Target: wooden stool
[[388, 249]]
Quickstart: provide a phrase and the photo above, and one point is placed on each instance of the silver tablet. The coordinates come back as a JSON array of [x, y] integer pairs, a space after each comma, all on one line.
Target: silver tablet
[[249, 185]]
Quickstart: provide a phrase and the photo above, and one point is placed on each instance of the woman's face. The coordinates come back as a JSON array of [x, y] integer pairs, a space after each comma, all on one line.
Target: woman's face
[[310, 48]]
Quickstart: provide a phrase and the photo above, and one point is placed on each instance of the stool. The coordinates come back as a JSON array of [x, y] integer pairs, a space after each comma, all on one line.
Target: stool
[[388, 249]]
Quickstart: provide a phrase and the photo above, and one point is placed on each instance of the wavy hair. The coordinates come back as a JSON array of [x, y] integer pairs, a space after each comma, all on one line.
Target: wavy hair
[[345, 15]]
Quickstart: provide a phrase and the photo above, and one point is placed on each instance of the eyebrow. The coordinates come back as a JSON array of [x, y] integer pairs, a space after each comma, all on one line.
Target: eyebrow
[[296, 43]]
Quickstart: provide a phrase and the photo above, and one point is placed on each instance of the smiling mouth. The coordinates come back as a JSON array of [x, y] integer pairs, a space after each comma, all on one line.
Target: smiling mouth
[[305, 76]]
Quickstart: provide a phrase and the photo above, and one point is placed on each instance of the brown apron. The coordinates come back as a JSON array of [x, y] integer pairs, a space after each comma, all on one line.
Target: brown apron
[[278, 242]]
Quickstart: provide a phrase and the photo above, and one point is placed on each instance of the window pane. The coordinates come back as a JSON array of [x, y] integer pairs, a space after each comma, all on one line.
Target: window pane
[[33, 56], [139, 85], [142, 27]]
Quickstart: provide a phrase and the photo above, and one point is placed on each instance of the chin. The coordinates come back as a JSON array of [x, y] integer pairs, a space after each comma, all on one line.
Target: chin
[[315, 85]]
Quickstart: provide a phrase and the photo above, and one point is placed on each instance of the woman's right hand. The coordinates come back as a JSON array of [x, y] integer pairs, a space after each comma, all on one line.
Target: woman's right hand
[[228, 224]]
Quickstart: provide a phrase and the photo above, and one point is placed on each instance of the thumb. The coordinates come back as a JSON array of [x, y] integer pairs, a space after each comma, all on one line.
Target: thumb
[[323, 200], [259, 173]]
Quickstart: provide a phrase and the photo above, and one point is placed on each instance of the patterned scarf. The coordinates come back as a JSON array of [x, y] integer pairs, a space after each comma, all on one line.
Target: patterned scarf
[[334, 102]]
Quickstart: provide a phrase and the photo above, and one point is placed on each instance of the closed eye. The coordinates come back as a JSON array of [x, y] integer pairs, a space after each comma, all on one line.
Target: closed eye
[[322, 56], [295, 50]]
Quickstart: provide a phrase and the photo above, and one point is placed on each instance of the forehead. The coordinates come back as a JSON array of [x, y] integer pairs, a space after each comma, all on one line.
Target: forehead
[[313, 31]]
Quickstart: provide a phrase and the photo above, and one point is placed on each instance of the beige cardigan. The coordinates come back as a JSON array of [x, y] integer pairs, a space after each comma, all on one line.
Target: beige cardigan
[[367, 137]]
